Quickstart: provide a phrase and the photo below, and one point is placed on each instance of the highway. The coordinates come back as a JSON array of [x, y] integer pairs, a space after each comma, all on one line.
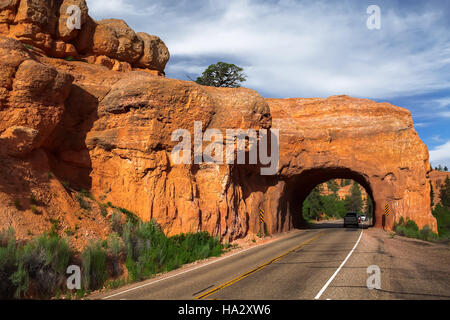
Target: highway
[[327, 262]]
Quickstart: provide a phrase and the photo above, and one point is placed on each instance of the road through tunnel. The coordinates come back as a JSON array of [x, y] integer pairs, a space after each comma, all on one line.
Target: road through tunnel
[[300, 187]]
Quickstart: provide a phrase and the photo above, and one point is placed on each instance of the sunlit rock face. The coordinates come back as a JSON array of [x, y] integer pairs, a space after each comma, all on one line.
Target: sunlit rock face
[[106, 126], [343, 137], [63, 28]]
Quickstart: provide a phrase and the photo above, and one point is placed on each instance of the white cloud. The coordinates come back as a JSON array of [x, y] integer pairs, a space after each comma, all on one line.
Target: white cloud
[[445, 114], [301, 48], [110, 7], [319, 50], [444, 102], [441, 155], [118, 8], [437, 138]]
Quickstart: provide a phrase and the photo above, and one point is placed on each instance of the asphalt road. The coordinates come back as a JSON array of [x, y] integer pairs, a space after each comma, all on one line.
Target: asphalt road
[[327, 262], [305, 260]]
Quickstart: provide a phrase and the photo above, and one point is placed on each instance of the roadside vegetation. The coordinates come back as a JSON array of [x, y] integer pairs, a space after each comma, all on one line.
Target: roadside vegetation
[[441, 211], [135, 251], [409, 228]]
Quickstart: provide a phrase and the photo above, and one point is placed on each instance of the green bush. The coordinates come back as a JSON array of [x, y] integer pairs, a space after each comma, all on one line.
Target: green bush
[[17, 204], [115, 249], [427, 234], [149, 251], [46, 260], [442, 215], [94, 266], [8, 263], [410, 229], [130, 215], [42, 261], [144, 248], [83, 203]]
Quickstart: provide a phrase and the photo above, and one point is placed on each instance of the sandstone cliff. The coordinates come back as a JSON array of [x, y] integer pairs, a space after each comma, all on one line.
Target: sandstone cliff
[[49, 26], [105, 126]]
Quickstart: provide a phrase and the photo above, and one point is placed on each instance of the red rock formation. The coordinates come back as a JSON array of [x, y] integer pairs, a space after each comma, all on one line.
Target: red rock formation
[[102, 127], [372, 143], [44, 24]]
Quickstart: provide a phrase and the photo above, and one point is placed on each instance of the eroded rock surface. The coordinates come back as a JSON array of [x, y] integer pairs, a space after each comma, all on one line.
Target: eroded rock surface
[[50, 26], [105, 126]]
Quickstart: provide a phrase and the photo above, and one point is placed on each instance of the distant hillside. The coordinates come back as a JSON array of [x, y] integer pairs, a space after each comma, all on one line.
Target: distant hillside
[[437, 179], [344, 190]]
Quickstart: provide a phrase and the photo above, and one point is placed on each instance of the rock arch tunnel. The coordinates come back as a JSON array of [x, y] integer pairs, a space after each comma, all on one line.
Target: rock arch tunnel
[[374, 144], [119, 148], [109, 132], [299, 187]]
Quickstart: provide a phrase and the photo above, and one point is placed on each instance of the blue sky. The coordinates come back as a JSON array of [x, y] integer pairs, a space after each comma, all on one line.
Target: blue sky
[[316, 48]]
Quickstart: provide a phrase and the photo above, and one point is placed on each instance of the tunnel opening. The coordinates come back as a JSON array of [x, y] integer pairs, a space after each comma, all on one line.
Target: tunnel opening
[[312, 187]]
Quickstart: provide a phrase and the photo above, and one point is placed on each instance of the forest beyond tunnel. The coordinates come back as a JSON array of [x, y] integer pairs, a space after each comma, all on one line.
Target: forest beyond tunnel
[[313, 195]]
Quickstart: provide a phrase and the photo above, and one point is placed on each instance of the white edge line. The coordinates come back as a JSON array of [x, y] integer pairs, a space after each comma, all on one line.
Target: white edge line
[[186, 271], [338, 269]]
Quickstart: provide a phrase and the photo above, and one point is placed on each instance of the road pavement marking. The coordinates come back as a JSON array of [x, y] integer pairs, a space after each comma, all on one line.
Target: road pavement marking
[[338, 269], [246, 274], [186, 271]]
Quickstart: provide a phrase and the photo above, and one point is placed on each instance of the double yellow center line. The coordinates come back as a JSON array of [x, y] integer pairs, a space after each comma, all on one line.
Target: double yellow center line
[[244, 275]]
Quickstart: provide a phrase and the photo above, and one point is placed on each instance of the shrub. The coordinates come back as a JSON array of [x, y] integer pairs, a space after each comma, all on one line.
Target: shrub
[[8, 263], [66, 184], [115, 249], [130, 215], [17, 204], [94, 265], [103, 210], [34, 209], [6, 236], [427, 234], [410, 229], [83, 204], [33, 199], [55, 227], [43, 262], [116, 222], [149, 251], [69, 232], [442, 215], [86, 194]]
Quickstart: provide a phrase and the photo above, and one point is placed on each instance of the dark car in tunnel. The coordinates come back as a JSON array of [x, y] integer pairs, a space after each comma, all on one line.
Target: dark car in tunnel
[[351, 218]]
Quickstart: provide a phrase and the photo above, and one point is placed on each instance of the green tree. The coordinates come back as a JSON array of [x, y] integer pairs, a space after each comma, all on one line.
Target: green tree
[[222, 74], [333, 186], [353, 203], [431, 195], [445, 193], [445, 169], [313, 205], [369, 207]]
